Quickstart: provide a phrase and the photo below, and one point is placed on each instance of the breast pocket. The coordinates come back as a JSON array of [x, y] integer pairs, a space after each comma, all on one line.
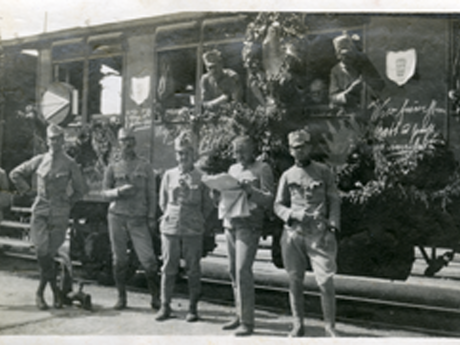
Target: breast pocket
[[61, 178], [314, 191], [121, 178], [140, 180], [194, 196]]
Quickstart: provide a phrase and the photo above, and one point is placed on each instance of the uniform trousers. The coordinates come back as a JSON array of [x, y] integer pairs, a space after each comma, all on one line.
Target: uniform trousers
[[175, 247], [297, 247], [47, 234], [121, 229], [242, 244]]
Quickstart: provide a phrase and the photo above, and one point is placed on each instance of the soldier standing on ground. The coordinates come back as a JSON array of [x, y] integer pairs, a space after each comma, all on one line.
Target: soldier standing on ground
[[55, 171], [243, 232], [308, 202], [129, 183], [185, 202]]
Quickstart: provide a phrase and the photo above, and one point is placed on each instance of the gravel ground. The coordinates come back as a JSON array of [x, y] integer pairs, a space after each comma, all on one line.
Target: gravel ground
[[18, 316]]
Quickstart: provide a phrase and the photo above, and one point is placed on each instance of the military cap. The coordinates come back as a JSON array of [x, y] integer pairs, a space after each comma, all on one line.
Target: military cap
[[298, 138], [185, 140], [212, 57], [343, 42], [125, 133], [54, 131]]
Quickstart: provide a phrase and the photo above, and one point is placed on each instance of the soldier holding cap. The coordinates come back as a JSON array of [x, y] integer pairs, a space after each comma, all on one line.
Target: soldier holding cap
[[129, 183], [220, 85], [243, 232], [55, 171], [308, 202], [185, 202]]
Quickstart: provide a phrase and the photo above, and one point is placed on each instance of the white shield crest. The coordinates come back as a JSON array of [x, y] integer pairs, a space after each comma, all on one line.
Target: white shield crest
[[401, 65], [140, 89]]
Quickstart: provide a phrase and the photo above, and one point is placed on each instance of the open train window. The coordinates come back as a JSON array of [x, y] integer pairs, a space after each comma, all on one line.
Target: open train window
[[71, 73], [105, 86], [320, 60], [176, 83]]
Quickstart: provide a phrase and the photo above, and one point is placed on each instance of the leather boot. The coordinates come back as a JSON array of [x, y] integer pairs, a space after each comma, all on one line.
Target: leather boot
[[43, 270], [120, 282], [164, 313], [152, 283], [40, 302], [298, 329], [57, 295], [192, 315], [122, 300]]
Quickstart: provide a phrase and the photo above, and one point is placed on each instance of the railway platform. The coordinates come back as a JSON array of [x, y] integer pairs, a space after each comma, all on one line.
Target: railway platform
[[19, 316]]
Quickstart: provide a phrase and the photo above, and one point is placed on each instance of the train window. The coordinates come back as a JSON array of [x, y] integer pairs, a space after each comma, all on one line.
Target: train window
[[320, 60], [72, 73], [176, 83], [232, 61], [105, 86]]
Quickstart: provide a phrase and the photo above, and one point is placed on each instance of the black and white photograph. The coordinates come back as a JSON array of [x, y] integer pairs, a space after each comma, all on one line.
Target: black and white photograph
[[226, 173]]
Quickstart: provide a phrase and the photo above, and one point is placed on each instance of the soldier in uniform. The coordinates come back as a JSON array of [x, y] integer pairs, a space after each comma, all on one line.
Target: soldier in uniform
[[243, 232], [129, 183], [308, 202], [348, 77], [50, 212], [185, 202], [220, 85]]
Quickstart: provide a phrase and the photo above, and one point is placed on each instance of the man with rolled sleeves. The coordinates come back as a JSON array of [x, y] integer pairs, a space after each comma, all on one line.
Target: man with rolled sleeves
[[243, 231], [185, 202], [308, 202], [55, 171], [219, 85], [129, 183]]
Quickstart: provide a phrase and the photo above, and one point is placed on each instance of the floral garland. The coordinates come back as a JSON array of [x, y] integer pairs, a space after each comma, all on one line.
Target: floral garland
[[291, 28]]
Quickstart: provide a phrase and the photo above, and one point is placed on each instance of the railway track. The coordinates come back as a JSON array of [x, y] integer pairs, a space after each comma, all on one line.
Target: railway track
[[364, 311]]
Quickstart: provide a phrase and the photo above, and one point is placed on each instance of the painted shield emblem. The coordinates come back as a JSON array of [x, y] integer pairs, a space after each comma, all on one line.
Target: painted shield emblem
[[401, 65], [140, 89]]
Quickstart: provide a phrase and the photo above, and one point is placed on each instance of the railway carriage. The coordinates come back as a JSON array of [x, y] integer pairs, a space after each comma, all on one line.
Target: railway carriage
[[146, 74]]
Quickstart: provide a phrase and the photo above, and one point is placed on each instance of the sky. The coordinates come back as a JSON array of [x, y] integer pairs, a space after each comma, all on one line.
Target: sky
[[19, 18]]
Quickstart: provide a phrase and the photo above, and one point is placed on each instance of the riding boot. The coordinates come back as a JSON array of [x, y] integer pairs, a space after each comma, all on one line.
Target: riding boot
[[57, 295], [167, 288], [153, 285], [39, 297], [120, 282], [298, 329], [192, 314]]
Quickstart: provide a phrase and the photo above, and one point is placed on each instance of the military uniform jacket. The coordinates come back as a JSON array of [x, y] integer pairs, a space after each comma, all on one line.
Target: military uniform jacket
[[185, 202], [136, 172], [55, 174], [312, 189], [261, 177]]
